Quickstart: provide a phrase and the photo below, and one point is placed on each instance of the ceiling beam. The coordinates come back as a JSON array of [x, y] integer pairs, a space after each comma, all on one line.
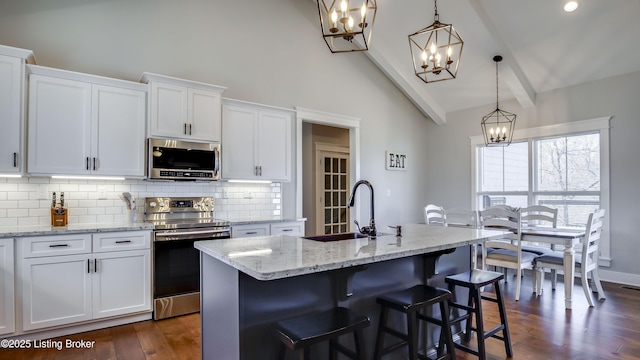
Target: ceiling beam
[[512, 74], [425, 103]]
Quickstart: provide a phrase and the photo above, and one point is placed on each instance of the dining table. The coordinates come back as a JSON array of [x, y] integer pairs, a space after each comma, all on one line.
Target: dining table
[[568, 237]]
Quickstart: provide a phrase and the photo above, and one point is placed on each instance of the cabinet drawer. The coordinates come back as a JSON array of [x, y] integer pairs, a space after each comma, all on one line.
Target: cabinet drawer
[[240, 231], [55, 245], [116, 241], [288, 228]]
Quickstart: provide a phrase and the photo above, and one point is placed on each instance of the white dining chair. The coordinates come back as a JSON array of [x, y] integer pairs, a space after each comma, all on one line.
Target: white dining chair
[[506, 252], [458, 217], [586, 263], [434, 215], [538, 216]]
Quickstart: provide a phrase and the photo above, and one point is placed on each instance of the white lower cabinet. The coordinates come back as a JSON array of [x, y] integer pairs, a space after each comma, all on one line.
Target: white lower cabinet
[[241, 231], [292, 228], [63, 281], [7, 312]]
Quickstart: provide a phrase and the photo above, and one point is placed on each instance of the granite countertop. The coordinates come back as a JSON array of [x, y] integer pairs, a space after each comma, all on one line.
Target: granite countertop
[[281, 256], [261, 220], [40, 230]]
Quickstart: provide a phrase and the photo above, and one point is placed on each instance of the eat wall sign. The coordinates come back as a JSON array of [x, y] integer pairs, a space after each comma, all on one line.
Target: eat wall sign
[[395, 161]]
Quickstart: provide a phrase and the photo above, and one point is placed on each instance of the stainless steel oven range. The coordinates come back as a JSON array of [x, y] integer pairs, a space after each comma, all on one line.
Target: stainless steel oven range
[[178, 223]]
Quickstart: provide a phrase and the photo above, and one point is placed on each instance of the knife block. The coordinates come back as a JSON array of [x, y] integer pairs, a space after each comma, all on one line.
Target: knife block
[[59, 217]]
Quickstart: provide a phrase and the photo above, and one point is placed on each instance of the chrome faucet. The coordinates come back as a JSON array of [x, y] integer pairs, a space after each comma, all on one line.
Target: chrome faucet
[[371, 229]]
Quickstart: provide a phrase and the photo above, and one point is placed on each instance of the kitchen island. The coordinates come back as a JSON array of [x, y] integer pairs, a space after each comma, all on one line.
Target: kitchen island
[[248, 284]]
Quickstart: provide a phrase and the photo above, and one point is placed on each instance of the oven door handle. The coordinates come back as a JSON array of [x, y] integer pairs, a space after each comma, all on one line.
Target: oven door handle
[[158, 234]]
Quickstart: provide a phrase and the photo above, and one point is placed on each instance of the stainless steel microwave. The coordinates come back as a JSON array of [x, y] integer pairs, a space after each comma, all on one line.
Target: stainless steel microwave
[[183, 160]]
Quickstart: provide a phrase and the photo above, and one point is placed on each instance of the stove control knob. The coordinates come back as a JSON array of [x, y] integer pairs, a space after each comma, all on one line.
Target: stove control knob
[[153, 204], [207, 203], [198, 204]]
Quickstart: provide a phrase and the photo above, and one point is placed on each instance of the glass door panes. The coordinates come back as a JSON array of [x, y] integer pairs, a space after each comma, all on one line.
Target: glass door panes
[[335, 193]]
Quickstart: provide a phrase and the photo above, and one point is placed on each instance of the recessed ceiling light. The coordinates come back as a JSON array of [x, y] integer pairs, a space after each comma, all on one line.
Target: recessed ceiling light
[[570, 6]]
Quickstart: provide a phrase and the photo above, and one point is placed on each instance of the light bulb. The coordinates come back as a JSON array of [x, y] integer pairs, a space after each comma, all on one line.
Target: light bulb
[[334, 16], [343, 6], [424, 55], [363, 11], [350, 23], [570, 6], [449, 51], [504, 130], [433, 48], [491, 131]]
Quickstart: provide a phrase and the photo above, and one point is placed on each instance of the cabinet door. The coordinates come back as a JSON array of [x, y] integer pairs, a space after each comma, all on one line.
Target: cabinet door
[[10, 115], [118, 131], [239, 142], [168, 112], [274, 145], [204, 120], [121, 283], [7, 315], [59, 126], [56, 290]]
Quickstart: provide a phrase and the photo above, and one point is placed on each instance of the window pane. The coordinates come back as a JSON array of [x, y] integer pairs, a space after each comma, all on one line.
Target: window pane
[[569, 163], [573, 211], [583, 165], [511, 200], [505, 168]]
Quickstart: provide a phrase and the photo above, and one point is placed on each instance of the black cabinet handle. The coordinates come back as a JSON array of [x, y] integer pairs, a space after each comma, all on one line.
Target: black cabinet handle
[[185, 128], [95, 265], [58, 245], [15, 159], [88, 266], [251, 232], [287, 229], [94, 164], [123, 241], [190, 129], [87, 164]]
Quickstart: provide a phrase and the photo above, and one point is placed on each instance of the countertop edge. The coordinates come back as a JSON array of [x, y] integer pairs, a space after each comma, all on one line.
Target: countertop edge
[[40, 230]]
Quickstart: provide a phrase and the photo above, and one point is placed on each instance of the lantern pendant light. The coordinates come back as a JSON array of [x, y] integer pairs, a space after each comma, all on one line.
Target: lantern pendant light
[[436, 51], [347, 24], [497, 126]]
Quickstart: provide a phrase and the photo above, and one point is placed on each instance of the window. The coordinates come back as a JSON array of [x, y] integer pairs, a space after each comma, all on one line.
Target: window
[[562, 166]]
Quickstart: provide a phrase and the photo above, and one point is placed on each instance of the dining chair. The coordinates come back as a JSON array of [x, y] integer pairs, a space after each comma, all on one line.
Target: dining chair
[[538, 216], [434, 215], [586, 263], [458, 217], [506, 252]]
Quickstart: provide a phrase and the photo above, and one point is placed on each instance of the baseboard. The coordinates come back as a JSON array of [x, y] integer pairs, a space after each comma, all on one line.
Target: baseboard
[[618, 277]]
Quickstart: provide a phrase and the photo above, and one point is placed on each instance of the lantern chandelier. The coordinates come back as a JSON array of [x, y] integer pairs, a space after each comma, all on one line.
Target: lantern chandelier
[[347, 25], [497, 126], [436, 50]]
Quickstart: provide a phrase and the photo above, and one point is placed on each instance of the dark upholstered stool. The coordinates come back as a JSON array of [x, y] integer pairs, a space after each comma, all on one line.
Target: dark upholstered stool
[[474, 280], [304, 331], [410, 302]]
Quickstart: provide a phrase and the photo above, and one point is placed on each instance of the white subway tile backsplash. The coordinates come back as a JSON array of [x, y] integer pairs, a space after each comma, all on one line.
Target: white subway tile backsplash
[[21, 202]]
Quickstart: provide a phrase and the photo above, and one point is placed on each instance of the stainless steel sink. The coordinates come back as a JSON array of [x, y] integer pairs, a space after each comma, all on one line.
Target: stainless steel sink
[[336, 237]]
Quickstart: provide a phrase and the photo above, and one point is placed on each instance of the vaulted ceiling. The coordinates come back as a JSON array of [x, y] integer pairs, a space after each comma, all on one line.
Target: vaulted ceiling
[[543, 47]]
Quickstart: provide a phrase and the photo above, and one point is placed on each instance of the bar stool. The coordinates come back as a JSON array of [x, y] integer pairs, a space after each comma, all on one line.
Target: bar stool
[[304, 331], [474, 280], [410, 302]]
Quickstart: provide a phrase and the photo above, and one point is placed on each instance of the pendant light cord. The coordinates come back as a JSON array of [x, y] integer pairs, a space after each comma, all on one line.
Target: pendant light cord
[[497, 86]]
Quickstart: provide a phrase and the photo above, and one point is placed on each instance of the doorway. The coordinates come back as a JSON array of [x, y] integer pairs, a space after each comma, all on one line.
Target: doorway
[[339, 137]]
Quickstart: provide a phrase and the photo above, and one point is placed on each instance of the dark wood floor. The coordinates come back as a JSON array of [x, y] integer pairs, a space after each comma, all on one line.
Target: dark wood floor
[[540, 327]]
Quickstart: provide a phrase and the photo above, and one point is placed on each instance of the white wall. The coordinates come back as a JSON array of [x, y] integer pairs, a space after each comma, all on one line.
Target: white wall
[[449, 156]]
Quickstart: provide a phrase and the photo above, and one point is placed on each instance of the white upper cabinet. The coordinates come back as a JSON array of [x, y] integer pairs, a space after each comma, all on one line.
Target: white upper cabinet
[[256, 141], [85, 125], [183, 109], [12, 109]]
